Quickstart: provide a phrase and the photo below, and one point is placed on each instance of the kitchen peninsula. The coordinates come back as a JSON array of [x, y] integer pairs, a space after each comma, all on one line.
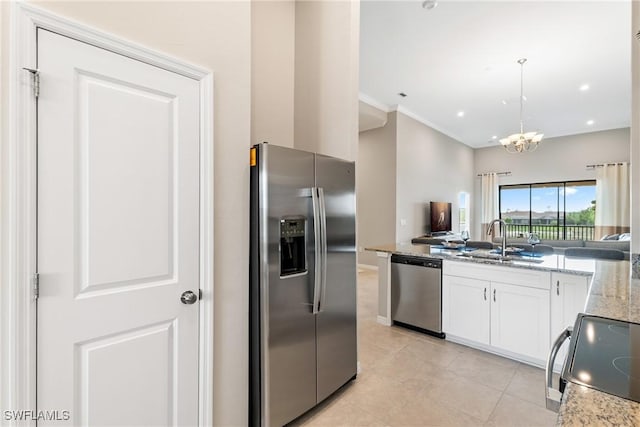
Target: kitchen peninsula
[[609, 292]]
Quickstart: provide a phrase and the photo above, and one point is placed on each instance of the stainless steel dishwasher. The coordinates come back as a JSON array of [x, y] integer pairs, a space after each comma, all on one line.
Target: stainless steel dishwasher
[[416, 293]]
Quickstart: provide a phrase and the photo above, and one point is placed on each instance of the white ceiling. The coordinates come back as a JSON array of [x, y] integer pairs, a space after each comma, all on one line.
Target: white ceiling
[[461, 56]]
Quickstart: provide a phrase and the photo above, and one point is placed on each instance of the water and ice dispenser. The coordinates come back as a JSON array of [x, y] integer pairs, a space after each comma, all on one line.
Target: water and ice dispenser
[[292, 246]]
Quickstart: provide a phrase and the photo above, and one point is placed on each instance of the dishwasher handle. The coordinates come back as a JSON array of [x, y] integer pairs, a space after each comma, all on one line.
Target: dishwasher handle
[[553, 397]]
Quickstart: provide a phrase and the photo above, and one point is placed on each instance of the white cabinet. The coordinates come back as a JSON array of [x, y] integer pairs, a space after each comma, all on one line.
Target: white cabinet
[[520, 319], [568, 298], [500, 308], [466, 308]]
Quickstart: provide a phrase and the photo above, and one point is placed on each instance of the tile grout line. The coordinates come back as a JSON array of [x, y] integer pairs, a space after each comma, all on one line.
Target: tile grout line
[[494, 408], [502, 393]]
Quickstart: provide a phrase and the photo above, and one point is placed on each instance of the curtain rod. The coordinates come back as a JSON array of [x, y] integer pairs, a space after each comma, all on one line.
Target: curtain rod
[[599, 165], [497, 173]]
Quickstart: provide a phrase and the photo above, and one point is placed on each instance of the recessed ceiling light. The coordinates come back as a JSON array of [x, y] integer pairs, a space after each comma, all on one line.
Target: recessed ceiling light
[[460, 113], [584, 87], [590, 122], [504, 102], [524, 98], [402, 94], [429, 4], [494, 137]]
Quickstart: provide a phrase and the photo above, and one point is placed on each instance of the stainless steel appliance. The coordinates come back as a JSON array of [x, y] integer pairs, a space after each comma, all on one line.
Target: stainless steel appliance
[[416, 293], [302, 281], [604, 354]]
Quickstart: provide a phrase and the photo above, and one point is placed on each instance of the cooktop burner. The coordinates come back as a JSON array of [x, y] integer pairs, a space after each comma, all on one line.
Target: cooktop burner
[[605, 355], [624, 366]]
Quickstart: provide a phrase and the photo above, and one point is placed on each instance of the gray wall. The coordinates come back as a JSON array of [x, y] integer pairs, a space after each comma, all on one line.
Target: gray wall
[[376, 189], [327, 37], [402, 166], [430, 167], [304, 75], [556, 159], [272, 71]]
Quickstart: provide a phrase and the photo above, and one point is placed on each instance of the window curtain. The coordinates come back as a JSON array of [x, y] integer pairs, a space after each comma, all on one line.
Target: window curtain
[[612, 200], [489, 203]]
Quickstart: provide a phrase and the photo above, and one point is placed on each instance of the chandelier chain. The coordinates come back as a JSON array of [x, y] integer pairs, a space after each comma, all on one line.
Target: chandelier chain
[[522, 61]]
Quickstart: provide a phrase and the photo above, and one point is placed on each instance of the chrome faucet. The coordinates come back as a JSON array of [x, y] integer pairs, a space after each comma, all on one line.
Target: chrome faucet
[[504, 233]]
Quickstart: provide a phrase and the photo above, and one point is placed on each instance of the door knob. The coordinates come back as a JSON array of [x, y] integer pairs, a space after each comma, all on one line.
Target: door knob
[[188, 297]]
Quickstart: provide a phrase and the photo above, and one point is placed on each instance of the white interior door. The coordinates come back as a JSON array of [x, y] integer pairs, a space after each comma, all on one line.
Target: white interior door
[[118, 238]]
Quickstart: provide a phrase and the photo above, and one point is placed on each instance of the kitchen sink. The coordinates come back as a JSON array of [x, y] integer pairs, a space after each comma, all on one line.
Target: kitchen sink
[[498, 257], [493, 257]]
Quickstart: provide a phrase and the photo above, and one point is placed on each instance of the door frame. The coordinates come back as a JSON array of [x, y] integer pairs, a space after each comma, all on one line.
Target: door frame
[[18, 154]]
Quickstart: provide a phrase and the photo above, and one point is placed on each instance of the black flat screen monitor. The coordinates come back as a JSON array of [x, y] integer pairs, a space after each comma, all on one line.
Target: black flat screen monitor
[[440, 216]]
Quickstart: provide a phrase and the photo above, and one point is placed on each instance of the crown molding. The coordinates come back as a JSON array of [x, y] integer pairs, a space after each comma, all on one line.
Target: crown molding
[[374, 103], [404, 110]]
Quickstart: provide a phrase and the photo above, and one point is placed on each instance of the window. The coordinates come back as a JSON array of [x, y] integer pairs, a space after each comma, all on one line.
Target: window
[[554, 210], [463, 209]]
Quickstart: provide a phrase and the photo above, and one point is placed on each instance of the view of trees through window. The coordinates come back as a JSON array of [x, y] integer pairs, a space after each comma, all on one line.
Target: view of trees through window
[[556, 210]]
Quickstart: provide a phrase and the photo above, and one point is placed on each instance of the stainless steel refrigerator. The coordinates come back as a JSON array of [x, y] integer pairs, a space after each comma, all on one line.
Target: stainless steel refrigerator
[[302, 281]]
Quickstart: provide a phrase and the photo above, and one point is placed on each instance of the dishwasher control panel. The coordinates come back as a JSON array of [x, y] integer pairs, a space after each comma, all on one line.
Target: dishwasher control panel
[[415, 260]]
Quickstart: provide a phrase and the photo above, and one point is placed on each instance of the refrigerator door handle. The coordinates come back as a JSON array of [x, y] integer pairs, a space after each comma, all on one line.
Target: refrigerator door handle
[[323, 249], [318, 249]]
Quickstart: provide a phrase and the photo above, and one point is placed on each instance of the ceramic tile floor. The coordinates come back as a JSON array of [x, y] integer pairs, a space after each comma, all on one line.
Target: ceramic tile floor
[[411, 379]]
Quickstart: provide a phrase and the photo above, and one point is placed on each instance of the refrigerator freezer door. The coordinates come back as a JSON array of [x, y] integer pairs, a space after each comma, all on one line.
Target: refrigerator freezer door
[[289, 356], [336, 323]]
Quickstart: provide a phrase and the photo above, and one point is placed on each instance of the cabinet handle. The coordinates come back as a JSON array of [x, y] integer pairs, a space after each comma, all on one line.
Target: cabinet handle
[[558, 288], [494, 295], [485, 294]]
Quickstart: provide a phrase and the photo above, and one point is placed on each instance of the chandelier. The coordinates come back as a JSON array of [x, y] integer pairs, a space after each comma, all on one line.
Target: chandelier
[[521, 142]]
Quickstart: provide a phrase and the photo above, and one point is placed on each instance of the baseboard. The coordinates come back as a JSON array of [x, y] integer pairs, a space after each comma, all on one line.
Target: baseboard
[[538, 363], [368, 267], [384, 321]]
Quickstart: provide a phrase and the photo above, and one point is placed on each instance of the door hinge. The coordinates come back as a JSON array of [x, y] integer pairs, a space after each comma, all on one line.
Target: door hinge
[[35, 75], [199, 294], [36, 285]]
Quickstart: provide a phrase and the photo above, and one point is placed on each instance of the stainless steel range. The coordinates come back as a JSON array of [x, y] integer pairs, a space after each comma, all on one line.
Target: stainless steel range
[[604, 354]]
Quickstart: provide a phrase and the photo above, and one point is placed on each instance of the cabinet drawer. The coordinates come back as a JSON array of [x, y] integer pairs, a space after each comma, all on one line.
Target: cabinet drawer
[[504, 274]]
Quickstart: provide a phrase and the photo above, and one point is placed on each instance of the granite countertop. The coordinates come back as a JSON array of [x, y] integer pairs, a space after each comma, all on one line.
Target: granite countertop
[[553, 262], [613, 293]]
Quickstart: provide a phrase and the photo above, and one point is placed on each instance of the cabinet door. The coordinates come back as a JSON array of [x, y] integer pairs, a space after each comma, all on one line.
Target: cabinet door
[[465, 308], [568, 298], [520, 319]]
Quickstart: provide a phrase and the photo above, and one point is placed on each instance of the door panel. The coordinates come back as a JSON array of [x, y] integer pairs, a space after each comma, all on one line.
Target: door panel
[[568, 298], [465, 308], [135, 382], [112, 168], [118, 237], [520, 319], [290, 381], [336, 322]]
